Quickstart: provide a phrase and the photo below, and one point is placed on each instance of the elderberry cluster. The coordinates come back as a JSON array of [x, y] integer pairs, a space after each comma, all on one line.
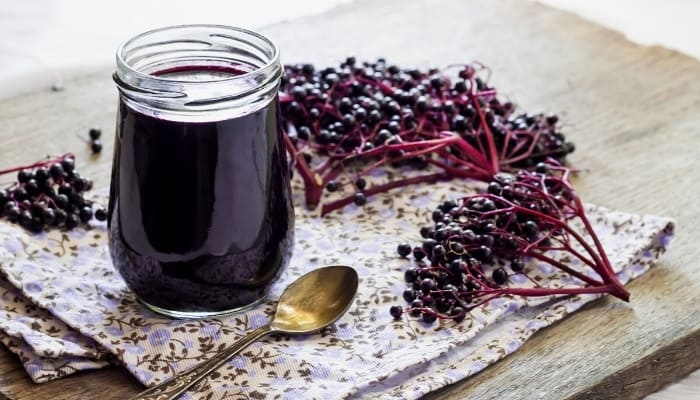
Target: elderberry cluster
[[49, 196], [353, 113], [475, 243]]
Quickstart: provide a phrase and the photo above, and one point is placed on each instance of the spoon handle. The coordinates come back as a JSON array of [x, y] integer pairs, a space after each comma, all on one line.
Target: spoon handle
[[179, 383]]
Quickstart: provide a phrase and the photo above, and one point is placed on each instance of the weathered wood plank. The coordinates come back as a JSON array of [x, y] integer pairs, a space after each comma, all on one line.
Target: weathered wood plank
[[631, 110]]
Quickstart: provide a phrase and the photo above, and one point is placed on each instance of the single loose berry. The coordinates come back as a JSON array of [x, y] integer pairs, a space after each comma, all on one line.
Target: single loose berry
[[360, 199], [95, 133], [96, 146], [396, 312], [332, 186], [500, 276], [404, 249], [101, 214]]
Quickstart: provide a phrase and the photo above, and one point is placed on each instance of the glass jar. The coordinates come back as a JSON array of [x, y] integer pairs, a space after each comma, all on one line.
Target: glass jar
[[200, 214]]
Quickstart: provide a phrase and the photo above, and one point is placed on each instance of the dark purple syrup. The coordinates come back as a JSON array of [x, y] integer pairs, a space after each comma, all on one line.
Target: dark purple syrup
[[201, 218]]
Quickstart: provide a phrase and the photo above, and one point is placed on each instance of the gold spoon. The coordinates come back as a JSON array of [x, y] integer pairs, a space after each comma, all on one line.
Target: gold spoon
[[309, 304]]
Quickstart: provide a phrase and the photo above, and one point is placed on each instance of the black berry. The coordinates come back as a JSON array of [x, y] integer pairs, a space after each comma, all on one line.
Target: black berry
[[404, 249], [396, 312], [72, 221], [101, 214], [332, 186], [500, 276], [360, 199]]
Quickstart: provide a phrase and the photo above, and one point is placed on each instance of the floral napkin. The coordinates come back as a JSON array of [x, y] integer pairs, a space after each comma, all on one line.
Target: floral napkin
[[66, 310]]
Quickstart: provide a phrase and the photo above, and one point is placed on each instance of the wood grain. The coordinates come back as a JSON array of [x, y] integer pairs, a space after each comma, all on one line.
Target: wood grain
[[633, 112]]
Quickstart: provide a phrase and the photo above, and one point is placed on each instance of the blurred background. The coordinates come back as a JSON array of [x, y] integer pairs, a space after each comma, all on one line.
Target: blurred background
[[46, 42]]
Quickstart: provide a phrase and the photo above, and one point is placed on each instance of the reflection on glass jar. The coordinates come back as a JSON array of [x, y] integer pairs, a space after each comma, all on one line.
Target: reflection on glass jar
[[200, 215]]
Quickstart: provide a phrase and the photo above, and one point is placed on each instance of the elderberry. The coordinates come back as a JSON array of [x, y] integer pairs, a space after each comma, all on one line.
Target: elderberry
[[360, 199], [429, 317], [418, 253], [95, 133], [475, 244], [404, 249], [500, 276], [72, 221], [332, 186], [396, 312], [376, 114], [517, 265], [101, 214], [409, 295], [96, 146]]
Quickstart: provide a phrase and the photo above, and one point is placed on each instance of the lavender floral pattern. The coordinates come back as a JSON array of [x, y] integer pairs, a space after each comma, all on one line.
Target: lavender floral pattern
[[65, 309]]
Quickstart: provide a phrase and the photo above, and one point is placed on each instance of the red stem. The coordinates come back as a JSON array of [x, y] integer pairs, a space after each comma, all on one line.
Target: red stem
[[538, 292], [489, 136], [565, 268], [37, 164], [312, 186]]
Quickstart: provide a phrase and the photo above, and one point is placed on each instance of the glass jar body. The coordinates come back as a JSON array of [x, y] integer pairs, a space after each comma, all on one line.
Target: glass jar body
[[200, 218]]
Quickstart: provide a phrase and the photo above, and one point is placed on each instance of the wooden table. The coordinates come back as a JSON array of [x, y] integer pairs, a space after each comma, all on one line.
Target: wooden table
[[633, 112]]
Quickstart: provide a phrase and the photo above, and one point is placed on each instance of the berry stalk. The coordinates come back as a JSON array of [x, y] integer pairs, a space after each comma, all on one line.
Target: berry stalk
[[342, 123], [479, 242]]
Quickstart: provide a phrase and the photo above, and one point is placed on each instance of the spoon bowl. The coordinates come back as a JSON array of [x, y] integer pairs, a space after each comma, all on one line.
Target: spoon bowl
[[315, 300]]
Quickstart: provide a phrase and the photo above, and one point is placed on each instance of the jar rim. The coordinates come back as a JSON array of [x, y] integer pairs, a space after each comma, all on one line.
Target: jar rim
[[121, 50], [203, 96]]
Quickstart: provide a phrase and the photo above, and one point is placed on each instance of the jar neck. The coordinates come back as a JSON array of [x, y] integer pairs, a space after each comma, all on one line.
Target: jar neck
[[198, 73]]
